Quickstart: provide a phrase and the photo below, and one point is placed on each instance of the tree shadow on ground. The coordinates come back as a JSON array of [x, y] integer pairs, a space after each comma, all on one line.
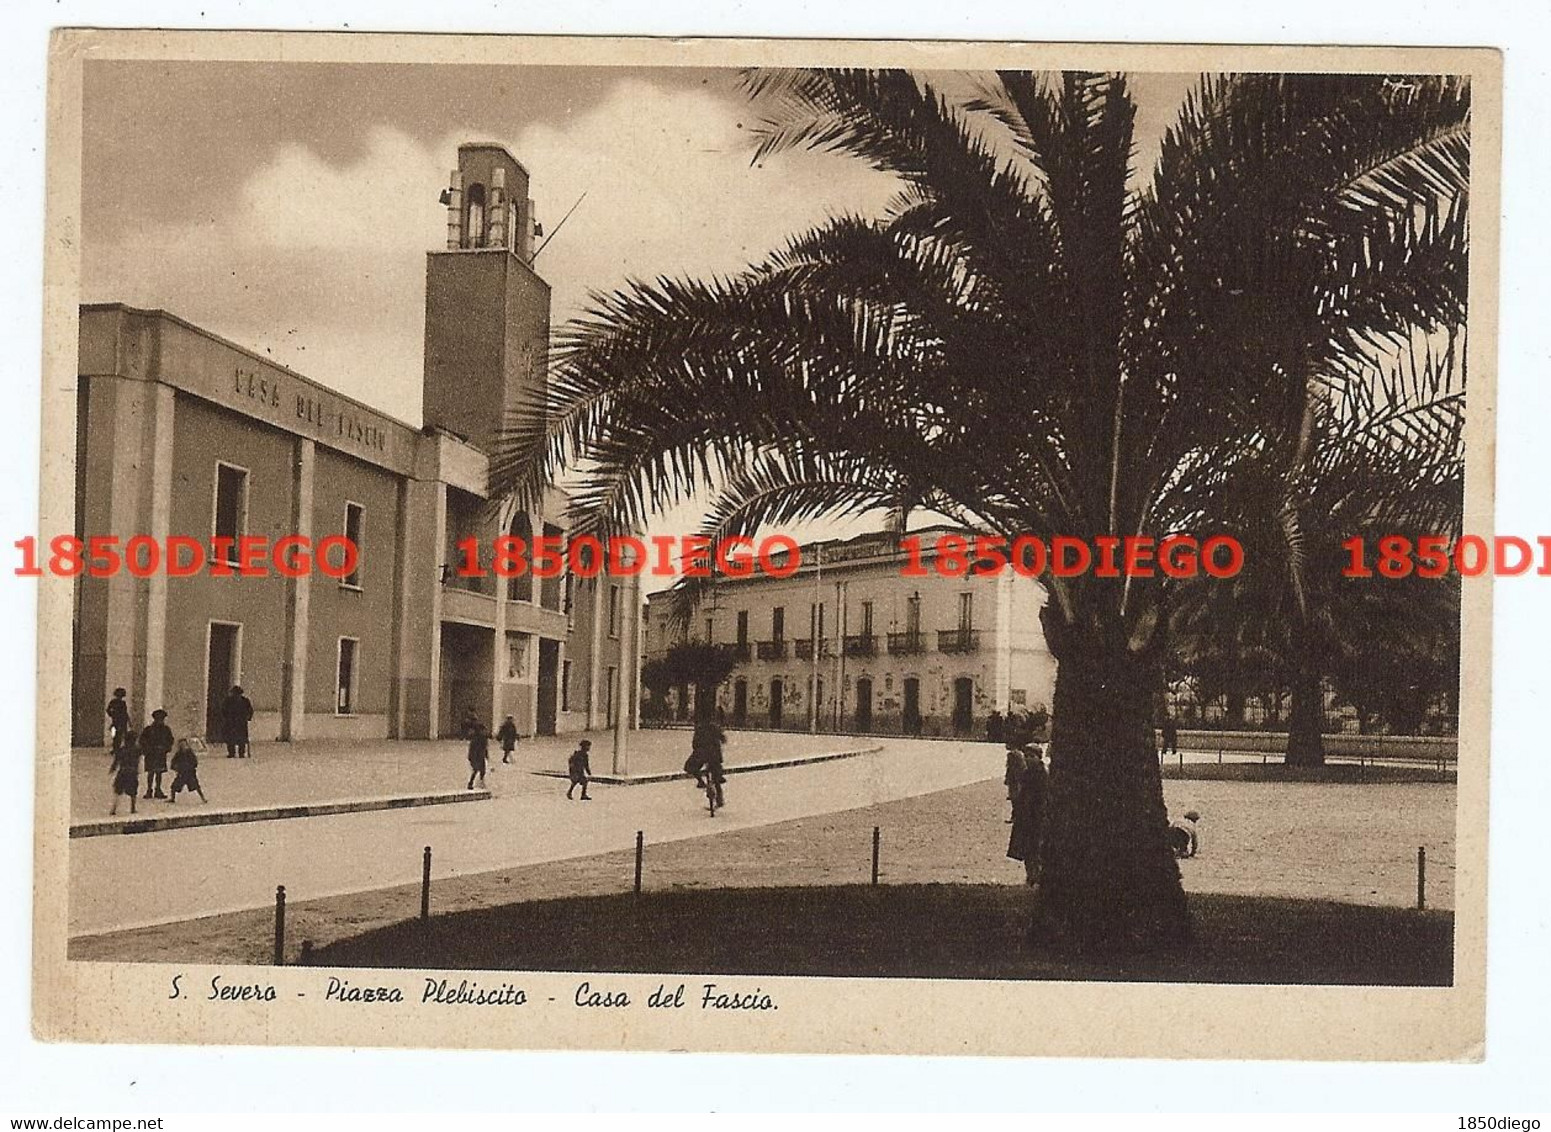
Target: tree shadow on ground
[[953, 931]]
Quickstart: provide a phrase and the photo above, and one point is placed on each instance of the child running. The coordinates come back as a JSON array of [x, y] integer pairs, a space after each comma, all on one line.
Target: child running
[[579, 769], [126, 771]]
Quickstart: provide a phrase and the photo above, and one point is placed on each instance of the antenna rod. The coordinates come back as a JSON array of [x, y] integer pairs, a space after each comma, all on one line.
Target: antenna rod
[[561, 225]]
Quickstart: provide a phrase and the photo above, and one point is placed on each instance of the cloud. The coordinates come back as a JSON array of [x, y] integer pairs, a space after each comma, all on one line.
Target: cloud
[[322, 265]]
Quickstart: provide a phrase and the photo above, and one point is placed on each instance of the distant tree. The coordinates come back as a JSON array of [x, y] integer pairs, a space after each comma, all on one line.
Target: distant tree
[[658, 680], [703, 666]]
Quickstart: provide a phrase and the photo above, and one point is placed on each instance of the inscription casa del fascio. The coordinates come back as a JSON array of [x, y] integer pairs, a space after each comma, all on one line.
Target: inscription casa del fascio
[[316, 411]]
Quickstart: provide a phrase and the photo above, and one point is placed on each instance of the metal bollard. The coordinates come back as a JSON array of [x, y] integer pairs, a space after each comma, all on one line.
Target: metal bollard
[[280, 925], [1421, 876], [877, 836], [425, 885], [640, 846]]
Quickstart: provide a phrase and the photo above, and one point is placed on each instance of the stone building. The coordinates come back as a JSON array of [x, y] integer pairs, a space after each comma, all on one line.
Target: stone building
[[893, 653], [182, 433]]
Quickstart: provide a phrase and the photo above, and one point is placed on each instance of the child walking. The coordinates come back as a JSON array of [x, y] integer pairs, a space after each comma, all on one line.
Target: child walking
[[508, 736], [579, 769], [185, 765], [479, 752], [126, 771]]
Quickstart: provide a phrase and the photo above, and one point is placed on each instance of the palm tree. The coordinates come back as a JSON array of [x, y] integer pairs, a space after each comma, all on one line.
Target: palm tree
[[1028, 343], [1376, 457]]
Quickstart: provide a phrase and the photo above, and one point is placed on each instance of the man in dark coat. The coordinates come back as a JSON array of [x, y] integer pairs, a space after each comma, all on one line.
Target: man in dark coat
[[156, 745], [1170, 731], [1028, 814], [236, 711]]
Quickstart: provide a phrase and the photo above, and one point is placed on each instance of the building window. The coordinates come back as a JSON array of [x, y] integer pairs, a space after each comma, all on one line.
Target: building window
[[710, 625], [966, 611], [355, 525], [778, 623], [614, 611], [913, 614], [231, 504], [516, 647], [345, 684], [866, 618], [743, 627], [565, 685], [474, 228]]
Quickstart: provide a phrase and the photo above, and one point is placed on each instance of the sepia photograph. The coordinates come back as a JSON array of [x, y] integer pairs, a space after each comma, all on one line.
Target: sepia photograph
[[743, 536]]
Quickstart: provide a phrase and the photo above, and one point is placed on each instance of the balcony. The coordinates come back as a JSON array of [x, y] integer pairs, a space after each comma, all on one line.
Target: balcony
[[906, 643], [805, 648], [863, 644], [958, 640], [771, 650], [741, 651]]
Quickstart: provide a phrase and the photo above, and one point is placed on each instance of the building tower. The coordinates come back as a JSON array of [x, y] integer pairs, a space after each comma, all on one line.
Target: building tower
[[486, 309]]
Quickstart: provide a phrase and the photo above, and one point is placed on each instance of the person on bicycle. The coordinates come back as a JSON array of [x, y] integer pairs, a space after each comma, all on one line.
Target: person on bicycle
[[706, 757]]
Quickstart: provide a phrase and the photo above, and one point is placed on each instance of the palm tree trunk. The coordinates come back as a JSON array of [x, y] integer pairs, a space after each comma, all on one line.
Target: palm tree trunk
[[1108, 879], [1306, 720]]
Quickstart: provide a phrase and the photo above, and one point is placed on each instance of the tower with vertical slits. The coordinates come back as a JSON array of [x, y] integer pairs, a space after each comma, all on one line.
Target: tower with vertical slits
[[486, 309]]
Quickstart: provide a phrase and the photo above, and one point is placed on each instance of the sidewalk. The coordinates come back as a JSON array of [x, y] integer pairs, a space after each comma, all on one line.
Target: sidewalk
[[321, 771]]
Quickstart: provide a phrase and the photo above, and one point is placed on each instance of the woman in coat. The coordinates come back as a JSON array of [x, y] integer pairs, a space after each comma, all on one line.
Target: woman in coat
[[1028, 814]]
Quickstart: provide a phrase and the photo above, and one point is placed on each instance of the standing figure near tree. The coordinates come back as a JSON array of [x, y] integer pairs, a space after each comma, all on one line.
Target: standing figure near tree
[[1028, 814]]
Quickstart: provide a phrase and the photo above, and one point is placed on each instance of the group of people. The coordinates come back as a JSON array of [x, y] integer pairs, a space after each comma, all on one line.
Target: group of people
[[479, 736], [1027, 784], [154, 744]]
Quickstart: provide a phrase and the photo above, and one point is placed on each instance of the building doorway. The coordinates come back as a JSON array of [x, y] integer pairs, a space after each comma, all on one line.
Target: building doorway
[[864, 704], [223, 668], [963, 704], [776, 692], [740, 701], [467, 684], [912, 713], [549, 687]]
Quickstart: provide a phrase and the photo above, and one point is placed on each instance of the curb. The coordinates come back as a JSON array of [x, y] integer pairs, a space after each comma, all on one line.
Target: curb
[[271, 813], [743, 768]]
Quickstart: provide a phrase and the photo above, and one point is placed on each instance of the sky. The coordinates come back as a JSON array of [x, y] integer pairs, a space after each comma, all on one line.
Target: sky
[[289, 206]]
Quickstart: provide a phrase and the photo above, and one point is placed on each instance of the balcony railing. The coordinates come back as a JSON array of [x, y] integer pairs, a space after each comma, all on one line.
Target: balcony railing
[[805, 648], [771, 650], [862, 644], [958, 640], [741, 651], [906, 643]]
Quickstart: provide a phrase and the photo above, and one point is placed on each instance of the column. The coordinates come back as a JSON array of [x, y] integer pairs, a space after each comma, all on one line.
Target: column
[[1002, 696], [595, 719], [499, 647], [298, 598], [422, 545], [159, 459]]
